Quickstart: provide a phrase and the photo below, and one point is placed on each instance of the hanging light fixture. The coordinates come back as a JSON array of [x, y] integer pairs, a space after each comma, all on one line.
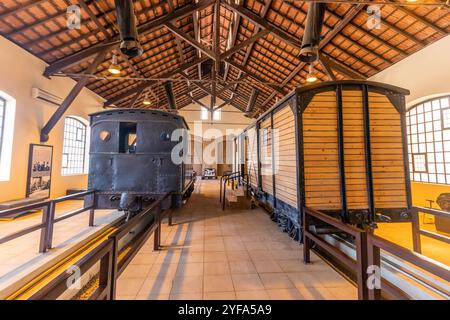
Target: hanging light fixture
[[114, 67], [146, 102], [311, 75]]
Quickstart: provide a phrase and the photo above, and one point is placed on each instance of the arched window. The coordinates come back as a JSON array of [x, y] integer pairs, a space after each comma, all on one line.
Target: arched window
[[2, 120], [7, 114], [74, 147], [428, 128]]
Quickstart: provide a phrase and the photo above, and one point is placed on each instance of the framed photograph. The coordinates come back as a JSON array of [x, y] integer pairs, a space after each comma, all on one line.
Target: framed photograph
[[39, 171]]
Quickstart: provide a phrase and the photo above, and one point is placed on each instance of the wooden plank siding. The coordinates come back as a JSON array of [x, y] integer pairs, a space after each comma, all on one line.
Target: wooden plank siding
[[285, 156], [266, 156], [387, 153], [320, 145], [354, 150], [252, 157]]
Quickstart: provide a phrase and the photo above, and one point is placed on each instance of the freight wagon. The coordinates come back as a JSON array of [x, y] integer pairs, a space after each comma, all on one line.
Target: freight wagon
[[338, 147]]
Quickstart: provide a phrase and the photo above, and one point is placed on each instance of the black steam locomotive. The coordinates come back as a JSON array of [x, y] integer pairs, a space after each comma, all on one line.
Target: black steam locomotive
[[136, 156]]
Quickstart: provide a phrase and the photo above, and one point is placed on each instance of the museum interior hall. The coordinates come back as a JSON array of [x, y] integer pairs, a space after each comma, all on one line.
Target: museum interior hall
[[225, 150]]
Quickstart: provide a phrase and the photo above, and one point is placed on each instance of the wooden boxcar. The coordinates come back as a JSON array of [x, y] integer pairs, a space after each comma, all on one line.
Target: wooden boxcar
[[338, 147]]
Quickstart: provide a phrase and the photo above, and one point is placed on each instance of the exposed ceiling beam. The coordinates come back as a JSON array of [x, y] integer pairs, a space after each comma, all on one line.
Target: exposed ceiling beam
[[328, 70], [136, 97], [114, 42], [186, 37], [264, 24], [341, 68], [252, 100], [256, 77], [350, 15], [232, 84], [45, 131], [263, 14], [244, 44], [150, 82], [234, 26]]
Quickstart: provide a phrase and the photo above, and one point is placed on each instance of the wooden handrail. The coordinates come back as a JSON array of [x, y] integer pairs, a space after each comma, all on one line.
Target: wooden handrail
[[359, 265]]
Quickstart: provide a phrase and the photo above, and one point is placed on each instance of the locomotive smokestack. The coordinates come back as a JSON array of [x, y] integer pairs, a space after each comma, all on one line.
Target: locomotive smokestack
[[127, 27], [169, 94], [311, 38]]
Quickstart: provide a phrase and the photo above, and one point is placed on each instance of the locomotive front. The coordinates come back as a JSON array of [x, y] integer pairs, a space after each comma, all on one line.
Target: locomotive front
[[131, 160]]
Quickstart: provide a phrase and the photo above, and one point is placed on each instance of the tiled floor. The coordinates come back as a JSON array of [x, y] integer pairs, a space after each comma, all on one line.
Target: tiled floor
[[213, 254]]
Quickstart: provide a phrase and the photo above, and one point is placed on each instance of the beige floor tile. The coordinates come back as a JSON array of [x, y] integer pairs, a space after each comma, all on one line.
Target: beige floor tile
[[275, 281], [155, 286], [214, 247], [216, 268], [247, 282], [129, 286], [219, 295], [304, 279], [256, 245], [218, 283], [264, 266], [252, 295], [169, 256], [161, 296], [244, 266], [238, 255], [163, 270], [215, 256], [136, 271], [330, 279], [187, 284], [190, 269], [260, 255], [186, 296], [344, 293], [191, 256], [122, 297], [291, 265], [284, 294], [317, 293]]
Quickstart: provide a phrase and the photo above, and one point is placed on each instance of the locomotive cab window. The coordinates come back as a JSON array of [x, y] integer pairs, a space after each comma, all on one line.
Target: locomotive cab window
[[127, 137]]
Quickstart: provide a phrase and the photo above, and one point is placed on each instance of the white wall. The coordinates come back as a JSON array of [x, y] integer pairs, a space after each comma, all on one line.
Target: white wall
[[21, 71], [425, 73], [232, 119]]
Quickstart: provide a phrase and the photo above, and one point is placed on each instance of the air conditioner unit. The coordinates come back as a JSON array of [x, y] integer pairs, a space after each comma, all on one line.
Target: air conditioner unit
[[46, 96]]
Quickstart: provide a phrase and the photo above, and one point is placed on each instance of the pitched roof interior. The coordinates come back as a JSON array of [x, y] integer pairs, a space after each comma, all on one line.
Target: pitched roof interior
[[270, 63]]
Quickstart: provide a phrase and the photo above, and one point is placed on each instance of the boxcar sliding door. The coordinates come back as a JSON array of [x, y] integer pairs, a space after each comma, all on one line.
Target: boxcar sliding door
[[285, 155], [252, 157], [265, 154]]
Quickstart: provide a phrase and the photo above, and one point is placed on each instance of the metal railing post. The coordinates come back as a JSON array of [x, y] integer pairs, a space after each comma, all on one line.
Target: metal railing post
[[306, 243], [92, 211], [361, 265], [373, 260], [157, 234], [49, 227], [43, 239], [415, 229]]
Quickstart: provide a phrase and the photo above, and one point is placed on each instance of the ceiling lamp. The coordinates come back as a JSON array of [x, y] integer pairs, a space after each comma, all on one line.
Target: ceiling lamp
[[114, 68], [311, 75], [146, 102], [410, 1]]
